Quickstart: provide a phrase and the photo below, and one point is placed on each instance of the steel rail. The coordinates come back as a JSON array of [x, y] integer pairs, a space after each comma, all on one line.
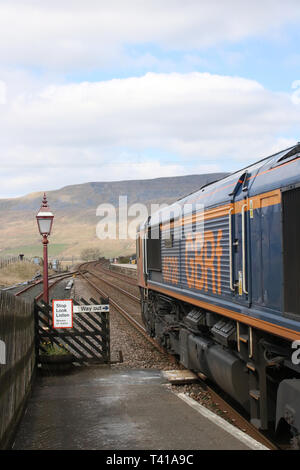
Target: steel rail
[[123, 291], [39, 296], [127, 316], [108, 272], [239, 420], [60, 277]]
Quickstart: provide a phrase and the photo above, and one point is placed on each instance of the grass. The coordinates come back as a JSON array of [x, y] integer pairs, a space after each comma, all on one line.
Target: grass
[[69, 238], [54, 350], [54, 249], [18, 272]]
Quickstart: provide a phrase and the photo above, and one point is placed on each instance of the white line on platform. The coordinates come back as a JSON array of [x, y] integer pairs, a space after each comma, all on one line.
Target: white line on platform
[[240, 435]]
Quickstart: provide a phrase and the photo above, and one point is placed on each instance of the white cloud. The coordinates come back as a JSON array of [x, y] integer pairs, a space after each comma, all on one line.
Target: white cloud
[[185, 113], [58, 134], [68, 34], [74, 133], [2, 92], [296, 93]]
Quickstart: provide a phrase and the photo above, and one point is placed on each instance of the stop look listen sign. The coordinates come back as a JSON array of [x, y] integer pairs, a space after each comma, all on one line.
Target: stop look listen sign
[[62, 313]]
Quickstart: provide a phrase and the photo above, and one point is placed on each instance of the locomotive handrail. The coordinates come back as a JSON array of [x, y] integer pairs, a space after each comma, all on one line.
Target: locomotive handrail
[[230, 249], [145, 254], [244, 248]]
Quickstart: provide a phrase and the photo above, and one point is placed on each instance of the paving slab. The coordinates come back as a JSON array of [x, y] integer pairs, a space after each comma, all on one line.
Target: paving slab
[[109, 409]]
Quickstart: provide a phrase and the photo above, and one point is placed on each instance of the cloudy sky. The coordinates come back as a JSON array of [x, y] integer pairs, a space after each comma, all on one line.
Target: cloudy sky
[[99, 90]]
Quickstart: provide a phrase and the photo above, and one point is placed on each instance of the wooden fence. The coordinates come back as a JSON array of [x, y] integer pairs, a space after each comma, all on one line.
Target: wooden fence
[[17, 360], [89, 338], [6, 260]]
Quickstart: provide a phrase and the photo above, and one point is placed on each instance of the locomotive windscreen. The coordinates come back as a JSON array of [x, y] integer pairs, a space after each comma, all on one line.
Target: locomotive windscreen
[[291, 251]]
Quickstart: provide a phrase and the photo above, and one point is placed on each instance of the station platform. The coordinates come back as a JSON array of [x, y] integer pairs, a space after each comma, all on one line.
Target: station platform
[[125, 265], [127, 269], [103, 409]]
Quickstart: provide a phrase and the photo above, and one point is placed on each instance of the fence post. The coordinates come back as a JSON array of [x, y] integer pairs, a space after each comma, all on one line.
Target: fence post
[[36, 332], [105, 301]]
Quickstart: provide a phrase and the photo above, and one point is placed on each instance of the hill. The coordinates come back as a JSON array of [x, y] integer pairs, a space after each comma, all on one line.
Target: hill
[[75, 220]]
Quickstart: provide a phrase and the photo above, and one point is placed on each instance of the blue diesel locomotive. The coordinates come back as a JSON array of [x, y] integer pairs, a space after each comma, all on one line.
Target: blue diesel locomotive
[[220, 285]]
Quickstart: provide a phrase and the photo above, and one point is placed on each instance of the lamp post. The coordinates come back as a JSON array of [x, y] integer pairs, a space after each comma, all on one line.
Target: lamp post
[[45, 220]]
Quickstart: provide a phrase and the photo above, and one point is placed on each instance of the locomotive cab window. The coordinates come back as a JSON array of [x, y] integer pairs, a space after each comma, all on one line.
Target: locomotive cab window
[[154, 249]]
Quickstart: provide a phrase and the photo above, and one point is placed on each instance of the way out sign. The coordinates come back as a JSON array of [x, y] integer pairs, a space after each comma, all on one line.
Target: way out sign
[[62, 313], [91, 308]]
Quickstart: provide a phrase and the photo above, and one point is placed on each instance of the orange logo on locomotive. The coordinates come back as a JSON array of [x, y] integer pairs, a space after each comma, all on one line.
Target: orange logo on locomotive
[[170, 269], [200, 256]]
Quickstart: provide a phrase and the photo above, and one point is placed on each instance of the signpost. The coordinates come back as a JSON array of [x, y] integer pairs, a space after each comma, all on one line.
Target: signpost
[[62, 313], [90, 308]]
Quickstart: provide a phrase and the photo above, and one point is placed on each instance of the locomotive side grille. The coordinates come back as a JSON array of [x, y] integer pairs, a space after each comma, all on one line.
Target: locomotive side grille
[[291, 251], [170, 252], [217, 283]]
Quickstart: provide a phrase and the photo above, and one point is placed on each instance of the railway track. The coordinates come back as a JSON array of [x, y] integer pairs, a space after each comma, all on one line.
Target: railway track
[[129, 280], [95, 270], [136, 324], [240, 421], [56, 279], [119, 289]]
